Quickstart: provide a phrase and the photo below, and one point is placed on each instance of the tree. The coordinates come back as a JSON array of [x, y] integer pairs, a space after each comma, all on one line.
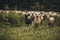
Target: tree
[[36, 6], [6, 7]]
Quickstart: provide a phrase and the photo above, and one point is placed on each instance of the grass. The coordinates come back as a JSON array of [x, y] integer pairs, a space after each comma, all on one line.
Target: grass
[[29, 33], [15, 29]]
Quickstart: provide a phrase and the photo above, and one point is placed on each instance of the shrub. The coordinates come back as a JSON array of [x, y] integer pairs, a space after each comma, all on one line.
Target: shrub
[[57, 21], [4, 18], [15, 19], [12, 19]]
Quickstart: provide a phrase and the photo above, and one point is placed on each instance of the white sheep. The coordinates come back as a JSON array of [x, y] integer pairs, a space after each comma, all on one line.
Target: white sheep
[[51, 21], [37, 21]]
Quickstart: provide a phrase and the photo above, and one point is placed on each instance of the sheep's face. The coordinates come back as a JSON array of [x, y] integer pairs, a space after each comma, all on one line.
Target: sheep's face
[[29, 17]]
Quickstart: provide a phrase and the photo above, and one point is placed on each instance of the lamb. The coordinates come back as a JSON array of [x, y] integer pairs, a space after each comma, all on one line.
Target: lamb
[[51, 21], [37, 21]]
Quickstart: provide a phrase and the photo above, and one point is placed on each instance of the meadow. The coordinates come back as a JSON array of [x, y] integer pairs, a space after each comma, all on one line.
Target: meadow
[[13, 27]]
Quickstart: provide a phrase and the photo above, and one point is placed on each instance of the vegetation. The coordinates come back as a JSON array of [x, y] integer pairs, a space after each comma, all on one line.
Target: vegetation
[[45, 5], [12, 27], [11, 19]]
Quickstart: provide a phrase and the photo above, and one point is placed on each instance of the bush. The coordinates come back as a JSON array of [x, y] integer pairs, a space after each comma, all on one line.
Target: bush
[[4, 18], [57, 21], [15, 19], [12, 19]]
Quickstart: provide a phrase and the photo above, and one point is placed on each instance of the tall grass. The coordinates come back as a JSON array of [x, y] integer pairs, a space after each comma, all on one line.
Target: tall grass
[[29, 33], [16, 30]]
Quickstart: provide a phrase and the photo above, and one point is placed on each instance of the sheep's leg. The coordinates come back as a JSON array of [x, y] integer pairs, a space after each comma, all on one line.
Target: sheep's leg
[[36, 26], [41, 22], [52, 24], [49, 24]]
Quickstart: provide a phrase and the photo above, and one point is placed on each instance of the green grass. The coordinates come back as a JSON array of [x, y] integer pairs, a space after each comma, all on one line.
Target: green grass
[[12, 27], [29, 33]]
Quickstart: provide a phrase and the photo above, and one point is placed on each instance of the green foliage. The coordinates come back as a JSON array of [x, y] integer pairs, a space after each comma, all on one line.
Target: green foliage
[[15, 19], [29, 33], [22, 32], [4, 18], [26, 5], [57, 21], [12, 19]]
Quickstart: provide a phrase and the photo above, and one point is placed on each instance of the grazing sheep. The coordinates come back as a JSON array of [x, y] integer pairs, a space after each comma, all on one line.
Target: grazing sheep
[[47, 17], [37, 21], [32, 17], [27, 15], [51, 21], [42, 19], [28, 19]]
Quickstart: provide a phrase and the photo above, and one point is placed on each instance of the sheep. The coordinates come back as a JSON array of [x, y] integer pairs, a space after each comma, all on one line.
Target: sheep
[[28, 19], [32, 17], [26, 15], [51, 21], [37, 21], [42, 19], [47, 17]]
